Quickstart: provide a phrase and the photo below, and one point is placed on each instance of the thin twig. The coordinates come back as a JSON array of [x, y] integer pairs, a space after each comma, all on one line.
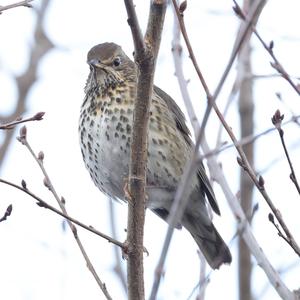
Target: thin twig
[[277, 120], [10, 125], [61, 202], [180, 200], [269, 47], [245, 230], [255, 10], [25, 3], [42, 203], [203, 280], [7, 213]]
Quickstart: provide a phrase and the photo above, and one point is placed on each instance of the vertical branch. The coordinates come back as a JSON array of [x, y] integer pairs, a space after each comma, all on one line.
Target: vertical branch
[[145, 57], [246, 107]]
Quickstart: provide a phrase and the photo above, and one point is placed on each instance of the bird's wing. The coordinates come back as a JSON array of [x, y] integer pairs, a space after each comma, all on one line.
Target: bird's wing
[[177, 114], [182, 127]]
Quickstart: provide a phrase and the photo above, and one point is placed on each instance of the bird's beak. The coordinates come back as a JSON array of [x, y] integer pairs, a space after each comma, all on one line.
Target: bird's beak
[[94, 63]]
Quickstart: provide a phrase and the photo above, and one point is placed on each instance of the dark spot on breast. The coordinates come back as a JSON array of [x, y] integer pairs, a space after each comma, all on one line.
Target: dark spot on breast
[[119, 126], [128, 128], [118, 100]]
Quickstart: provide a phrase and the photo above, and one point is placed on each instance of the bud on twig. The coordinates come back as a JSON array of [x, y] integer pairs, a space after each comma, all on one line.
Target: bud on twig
[[41, 156], [238, 11], [9, 210], [46, 183], [7, 213], [277, 118], [23, 183], [182, 6], [261, 181], [271, 218], [23, 133], [39, 116]]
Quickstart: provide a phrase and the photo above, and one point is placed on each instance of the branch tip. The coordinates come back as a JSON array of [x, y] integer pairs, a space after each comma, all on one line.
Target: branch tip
[[24, 185], [182, 7], [39, 116], [261, 181], [7, 213], [271, 218], [41, 156]]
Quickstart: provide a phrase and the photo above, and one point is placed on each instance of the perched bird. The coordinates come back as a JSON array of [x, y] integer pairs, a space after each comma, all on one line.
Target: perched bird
[[105, 130]]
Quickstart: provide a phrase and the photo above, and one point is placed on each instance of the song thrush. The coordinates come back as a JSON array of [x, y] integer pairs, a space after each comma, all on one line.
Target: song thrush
[[105, 130]]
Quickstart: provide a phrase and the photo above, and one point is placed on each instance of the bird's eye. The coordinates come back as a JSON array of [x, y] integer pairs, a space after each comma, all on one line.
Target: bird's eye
[[117, 61]]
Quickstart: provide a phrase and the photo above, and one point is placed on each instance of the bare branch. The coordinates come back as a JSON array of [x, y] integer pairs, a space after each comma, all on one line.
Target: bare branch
[[145, 57], [10, 125], [180, 200], [244, 163], [61, 202], [277, 121], [269, 47], [139, 44], [245, 229], [7, 213], [25, 3], [42, 203], [203, 280]]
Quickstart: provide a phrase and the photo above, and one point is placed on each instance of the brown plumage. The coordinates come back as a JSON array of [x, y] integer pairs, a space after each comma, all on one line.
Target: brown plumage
[[105, 130]]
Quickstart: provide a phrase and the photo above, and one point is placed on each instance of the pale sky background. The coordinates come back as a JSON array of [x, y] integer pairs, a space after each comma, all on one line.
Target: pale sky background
[[39, 259]]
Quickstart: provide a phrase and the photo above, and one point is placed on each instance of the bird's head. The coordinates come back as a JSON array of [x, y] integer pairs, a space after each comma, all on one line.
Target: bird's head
[[108, 60]]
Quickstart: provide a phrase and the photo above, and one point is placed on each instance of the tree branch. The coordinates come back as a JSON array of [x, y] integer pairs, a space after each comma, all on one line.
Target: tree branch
[[10, 125], [217, 174], [42, 203], [145, 58], [277, 121], [25, 3], [61, 202], [269, 48]]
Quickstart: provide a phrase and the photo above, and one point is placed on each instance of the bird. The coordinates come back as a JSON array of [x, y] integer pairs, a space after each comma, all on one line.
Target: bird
[[105, 131]]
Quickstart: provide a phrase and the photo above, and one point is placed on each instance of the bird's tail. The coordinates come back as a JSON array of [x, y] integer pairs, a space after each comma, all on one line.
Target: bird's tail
[[209, 241]]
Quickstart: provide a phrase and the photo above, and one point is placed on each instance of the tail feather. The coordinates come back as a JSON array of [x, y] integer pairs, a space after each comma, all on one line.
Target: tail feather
[[208, 240]]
